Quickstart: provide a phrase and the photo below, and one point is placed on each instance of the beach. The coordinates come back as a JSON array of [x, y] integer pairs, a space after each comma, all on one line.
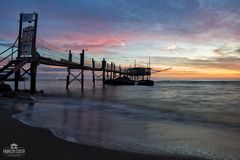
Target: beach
[[41, 144], [174, 120]]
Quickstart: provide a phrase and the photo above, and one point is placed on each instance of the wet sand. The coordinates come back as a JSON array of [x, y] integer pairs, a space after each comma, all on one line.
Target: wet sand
[[41, 144]]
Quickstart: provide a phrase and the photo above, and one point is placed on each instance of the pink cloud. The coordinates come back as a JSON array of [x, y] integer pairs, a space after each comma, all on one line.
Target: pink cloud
[[79, 41]]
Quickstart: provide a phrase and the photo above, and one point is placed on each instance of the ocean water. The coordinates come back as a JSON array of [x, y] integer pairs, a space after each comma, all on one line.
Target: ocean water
[[196, 118]]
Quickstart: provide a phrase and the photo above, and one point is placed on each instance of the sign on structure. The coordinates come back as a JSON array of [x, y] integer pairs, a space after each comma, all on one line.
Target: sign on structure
[[27, 34], [27, 40], [28, 17]]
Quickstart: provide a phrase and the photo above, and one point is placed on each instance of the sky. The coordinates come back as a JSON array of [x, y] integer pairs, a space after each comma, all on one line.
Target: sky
[[198, 39]]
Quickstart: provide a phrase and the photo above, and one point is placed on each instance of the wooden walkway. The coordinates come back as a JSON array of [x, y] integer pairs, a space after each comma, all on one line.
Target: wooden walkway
[[24, 51]]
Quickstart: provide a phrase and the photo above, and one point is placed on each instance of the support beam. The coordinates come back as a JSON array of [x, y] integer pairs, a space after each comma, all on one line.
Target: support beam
[[17, 74], [68, 70], [82, 71], [107, 71], [34, 50], [75, 77], [25, 72], [93, 72], [104, 70], [68, 78], [33, 66], [120, 71], [111, 71], [33, 75], [20, 36], [82, 79], [114, 71]]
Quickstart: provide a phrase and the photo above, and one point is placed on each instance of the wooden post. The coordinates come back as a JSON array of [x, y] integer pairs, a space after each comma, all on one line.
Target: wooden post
[[107, 71], [17, 74], [33, 74], [68, 78], [82, 71], [111, 71], [34, 50], [104, 70], [93, 72], [68, 69], [114, 71], [120, 71], [33, 69], [20, 36]]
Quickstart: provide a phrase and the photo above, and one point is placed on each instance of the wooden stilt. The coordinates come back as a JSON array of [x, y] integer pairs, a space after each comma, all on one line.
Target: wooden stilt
[[17, 74], [68, 78], [107, 71], [104, 70], [82, 69], [33, 66], [33, 75], [68, 70], [111, 71], [93, 72], [114, 71], [82, 79], [30, 55], [120, 71]]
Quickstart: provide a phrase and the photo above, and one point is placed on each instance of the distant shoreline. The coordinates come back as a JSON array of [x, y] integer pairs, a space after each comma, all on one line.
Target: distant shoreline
[[62, 79]]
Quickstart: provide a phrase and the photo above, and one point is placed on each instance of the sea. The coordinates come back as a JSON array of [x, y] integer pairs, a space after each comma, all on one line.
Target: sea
[[192, 118]]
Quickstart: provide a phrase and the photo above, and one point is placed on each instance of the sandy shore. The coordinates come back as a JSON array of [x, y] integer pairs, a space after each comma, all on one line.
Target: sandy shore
[[40, 144]]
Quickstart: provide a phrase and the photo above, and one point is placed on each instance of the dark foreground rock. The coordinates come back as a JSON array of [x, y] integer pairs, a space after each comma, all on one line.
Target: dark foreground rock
[[6, 91]]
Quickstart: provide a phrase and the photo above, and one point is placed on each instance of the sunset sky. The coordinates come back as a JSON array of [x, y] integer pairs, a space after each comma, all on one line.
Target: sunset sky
[[199, 39]]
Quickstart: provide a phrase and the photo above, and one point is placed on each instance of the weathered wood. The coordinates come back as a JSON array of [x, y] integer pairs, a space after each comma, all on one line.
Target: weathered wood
[[120, 71], [107, 71], [19, 36], [104, 70], [33, 66], [68, 70], [93, 72], [17, 74], [114, 71], [33, 75], [82, 71], [34, 50], [111, 71]]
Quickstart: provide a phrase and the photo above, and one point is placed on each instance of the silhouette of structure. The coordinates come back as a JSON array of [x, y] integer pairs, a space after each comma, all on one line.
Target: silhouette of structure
[[30, 50]]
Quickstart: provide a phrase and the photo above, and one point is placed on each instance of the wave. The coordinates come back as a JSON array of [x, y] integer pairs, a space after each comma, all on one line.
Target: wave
[[142, 112], [122, 127]]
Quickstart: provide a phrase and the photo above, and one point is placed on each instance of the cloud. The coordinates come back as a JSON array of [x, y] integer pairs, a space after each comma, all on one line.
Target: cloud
[[225, 51], [218, 63], [196, 28], [171, 47], [178, 17], [229, 63], [95, 44], [5, 43], [238, 50]]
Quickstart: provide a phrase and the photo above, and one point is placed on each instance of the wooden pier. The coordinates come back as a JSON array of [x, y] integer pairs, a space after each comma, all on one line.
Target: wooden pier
[[24, 51]]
